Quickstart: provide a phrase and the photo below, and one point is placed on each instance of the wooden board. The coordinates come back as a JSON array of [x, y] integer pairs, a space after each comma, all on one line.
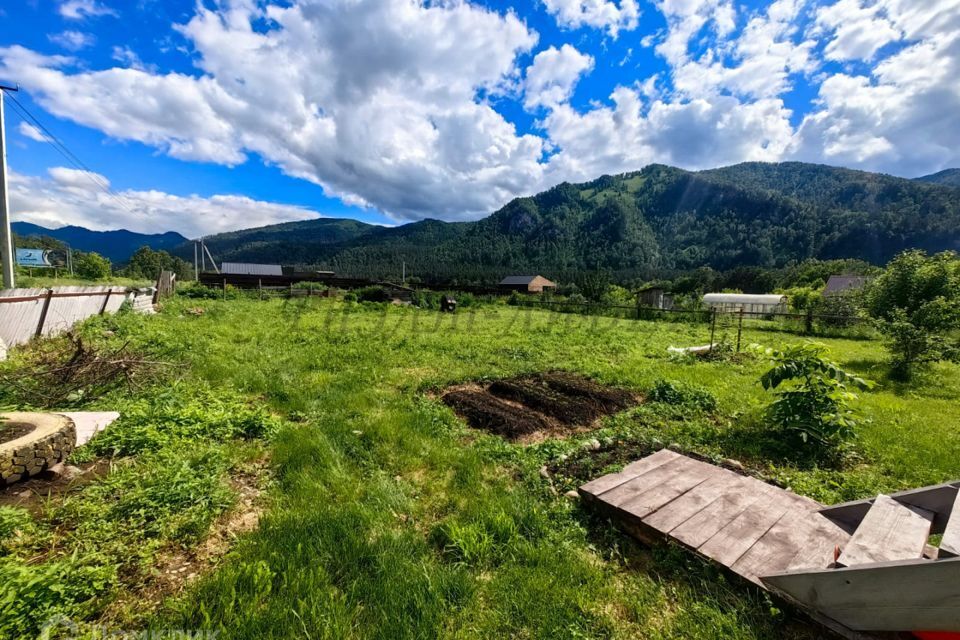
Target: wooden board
[[950, 543], [937, 498], [632, 470], [890, 531], [624, 493], [741, 533], [704, 525], [694, 501], [896, 596]]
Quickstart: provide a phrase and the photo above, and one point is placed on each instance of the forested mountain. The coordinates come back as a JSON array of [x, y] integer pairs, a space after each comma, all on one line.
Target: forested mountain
[[948, 177], [117, 245], [641, 224]]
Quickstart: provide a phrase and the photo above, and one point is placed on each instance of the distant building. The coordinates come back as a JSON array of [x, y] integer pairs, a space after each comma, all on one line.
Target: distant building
[[845, 285], [250, 269], [746, 302], [526, 284], [654, 298]]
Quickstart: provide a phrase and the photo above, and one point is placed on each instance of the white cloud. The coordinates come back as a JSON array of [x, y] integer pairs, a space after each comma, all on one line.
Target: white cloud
[[758, 63], [72, 40], [375, 100], [80, 9], [553, 75], [69, 196], [128, 57], [609, 15], [904, 116], [859, 31], [27, 130], [696, 134]]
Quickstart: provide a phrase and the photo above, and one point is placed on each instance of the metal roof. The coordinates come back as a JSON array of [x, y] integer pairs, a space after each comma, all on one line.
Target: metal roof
[[249, 269], [744, 298], [842, 284]]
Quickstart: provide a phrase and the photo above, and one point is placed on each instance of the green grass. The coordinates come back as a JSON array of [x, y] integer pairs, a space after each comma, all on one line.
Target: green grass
[[389, 518]]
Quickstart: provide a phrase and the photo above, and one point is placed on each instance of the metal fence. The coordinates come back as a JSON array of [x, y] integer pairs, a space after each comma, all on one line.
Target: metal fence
[[721, 321], [30, 313]]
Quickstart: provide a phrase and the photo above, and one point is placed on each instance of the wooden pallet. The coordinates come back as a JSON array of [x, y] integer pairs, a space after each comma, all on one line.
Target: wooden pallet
[[789, 544]]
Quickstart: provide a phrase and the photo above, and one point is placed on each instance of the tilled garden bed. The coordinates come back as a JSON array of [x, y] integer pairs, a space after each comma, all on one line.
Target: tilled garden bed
[[531, 407]]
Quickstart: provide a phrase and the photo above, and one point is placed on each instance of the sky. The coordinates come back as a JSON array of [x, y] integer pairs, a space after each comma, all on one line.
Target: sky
[[202, 116]]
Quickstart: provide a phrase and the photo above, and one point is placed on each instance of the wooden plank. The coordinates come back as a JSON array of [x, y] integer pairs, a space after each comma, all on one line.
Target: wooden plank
[[889, 531], [774, 550], [705, 524], [818, 552], [692, 502], [632, 470], [937, 498], [736, 538], [950, 544], [632, 488], [676, 485], [894, 596]]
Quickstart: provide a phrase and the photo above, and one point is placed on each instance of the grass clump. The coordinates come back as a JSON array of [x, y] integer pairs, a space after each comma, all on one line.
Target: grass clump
[[682, 395]]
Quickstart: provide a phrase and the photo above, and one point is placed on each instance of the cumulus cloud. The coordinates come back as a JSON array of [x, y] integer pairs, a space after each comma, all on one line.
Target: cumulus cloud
[[27, 130], [375, 100], [695, 134], [902, 117], [72, 40], [608, 15], [69, 196], [553, 75], [80, 9]]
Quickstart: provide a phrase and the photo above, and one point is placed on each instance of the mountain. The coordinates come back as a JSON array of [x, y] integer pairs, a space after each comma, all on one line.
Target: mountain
[[948, 177], [640, 224], [117, 245]]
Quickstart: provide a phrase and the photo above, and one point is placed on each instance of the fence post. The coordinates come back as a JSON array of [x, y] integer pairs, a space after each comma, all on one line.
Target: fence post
[[809, 327], [260, 287], [106, 300], [713, 326], [739, 330], [224, 288], [43, 312]]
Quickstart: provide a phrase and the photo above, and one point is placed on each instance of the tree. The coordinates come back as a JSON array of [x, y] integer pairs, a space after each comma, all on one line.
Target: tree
[[813, 397], [147, 263], [916, 305], [91, 266]]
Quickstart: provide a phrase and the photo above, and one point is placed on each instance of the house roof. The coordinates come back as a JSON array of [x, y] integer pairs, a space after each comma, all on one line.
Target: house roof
[[250, 269], [842, 284], [522, 279]]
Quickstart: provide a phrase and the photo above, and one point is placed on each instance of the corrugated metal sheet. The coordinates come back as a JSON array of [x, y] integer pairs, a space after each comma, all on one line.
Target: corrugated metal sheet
[[744, 298], [518, 280], [845, 284], [19, 319], [250, 269]]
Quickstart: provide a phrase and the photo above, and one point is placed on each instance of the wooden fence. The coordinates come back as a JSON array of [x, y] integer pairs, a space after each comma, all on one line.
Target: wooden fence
[[30, 313]]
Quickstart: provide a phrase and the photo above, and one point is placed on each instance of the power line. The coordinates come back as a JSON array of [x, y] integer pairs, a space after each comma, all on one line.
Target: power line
[[71, 157]]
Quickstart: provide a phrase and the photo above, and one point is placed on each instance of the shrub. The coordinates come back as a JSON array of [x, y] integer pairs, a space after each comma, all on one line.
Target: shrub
[[916, 304], [91, 266], [373, 294], [681, 394], [813, 397]]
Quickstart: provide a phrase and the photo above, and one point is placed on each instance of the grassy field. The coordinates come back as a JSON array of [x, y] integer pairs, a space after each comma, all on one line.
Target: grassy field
[[385, 516]]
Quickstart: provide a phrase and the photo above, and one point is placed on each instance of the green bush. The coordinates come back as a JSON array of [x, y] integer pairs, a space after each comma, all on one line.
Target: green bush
[[683, 395], [13, 519], [916, 304], [373, 294], [813, 395]]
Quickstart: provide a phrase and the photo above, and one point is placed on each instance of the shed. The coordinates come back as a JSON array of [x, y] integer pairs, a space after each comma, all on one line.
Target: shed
[[845, 285], [250, 269], [526, 284], [746, 302]]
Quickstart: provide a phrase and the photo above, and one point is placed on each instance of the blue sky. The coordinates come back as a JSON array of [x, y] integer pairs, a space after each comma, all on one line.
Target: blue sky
[[209, 116]]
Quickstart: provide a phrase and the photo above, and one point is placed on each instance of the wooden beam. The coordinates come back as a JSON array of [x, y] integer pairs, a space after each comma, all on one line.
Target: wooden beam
[[950, 544], [890, 531], [937, 498], [909, 595]]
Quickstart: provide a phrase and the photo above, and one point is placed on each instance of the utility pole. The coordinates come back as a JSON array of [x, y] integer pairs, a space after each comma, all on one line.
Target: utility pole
[[6, 236], [196, 273]]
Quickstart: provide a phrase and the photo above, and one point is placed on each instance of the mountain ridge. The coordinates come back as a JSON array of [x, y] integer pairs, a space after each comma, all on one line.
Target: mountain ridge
[[117, 244]]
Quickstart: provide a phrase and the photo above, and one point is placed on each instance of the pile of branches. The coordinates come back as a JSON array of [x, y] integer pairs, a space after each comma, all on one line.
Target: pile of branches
[[66, 371]]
